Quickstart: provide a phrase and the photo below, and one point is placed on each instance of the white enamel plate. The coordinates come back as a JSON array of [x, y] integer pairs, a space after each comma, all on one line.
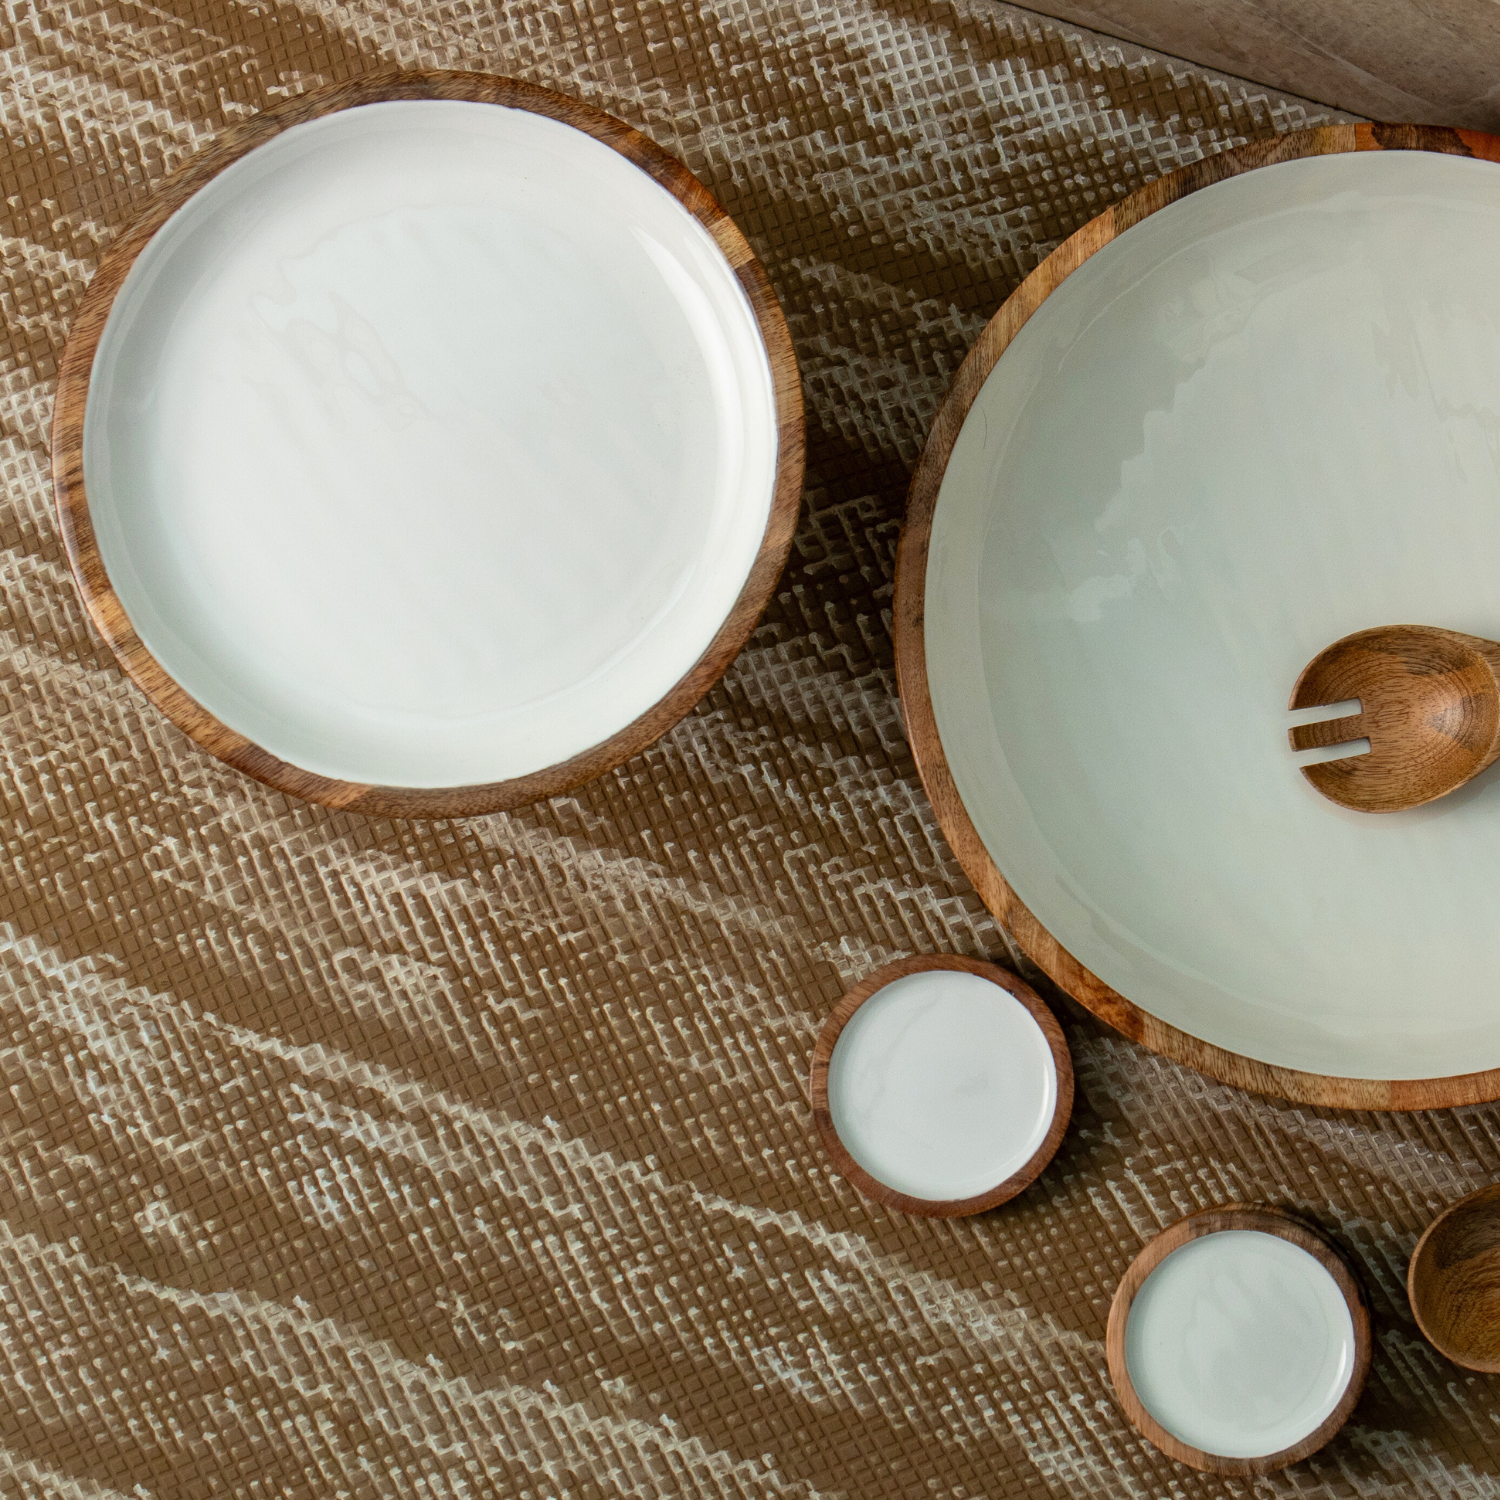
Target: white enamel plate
[[435, 443], [941, 1085], [1239, 1340], [1255, 420]]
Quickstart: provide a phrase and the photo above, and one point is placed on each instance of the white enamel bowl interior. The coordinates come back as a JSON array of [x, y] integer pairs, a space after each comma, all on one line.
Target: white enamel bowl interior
[[1265, 417], [430, 444], [942, 1085], [1240, 1343]]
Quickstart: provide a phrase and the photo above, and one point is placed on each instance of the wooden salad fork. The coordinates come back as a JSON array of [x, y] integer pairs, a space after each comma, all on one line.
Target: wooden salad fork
[[1429, 706]]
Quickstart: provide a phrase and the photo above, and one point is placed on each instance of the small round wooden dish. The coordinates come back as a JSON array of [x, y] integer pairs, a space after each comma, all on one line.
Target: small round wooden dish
[[951, 1089], [1238, 1341], [1122, 544], [429, 445], [1454, 1282]]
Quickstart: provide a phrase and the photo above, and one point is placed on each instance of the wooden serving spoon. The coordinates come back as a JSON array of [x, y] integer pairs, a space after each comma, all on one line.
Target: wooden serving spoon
[[1454, 1281], [1429, 706]]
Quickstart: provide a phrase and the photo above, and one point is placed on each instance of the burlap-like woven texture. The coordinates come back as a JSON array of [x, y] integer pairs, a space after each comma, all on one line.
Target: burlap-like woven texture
[[349, 1158]]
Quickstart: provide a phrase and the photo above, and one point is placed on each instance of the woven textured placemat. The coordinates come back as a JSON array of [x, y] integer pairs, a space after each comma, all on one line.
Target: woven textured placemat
[[351, 1158]]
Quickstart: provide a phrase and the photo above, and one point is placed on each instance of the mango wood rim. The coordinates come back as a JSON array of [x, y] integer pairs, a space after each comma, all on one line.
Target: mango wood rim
[[940, 1208], [911, 647], [1490, 1194], [105, 608], [1267, 1220]]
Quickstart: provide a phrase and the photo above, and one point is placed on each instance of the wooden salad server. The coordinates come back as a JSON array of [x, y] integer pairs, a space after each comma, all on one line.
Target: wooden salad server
[[1429, 706]]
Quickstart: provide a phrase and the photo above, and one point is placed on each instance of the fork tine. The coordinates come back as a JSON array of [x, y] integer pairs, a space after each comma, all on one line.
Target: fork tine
[[1329, 732]]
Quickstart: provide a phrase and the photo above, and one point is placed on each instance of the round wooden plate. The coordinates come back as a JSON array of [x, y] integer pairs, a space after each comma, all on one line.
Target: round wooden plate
[[1123, 1011], [940, 1208], [782, 402], [1265, 1220]]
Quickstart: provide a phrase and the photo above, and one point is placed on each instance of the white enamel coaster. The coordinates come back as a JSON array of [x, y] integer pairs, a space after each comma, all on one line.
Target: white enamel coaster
[[1238, 1340], [434, 444], [941, 1085]]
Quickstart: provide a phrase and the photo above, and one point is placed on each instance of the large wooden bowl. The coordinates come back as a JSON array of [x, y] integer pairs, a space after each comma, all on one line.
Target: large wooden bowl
[[1438, 913], [724, 624]]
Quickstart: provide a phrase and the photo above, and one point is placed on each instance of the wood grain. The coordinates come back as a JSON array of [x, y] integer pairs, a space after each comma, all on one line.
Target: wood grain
[[1429, 707], [1265, 1220], [1453, 1281], [939, 1208], [911, 648], [192, 717], [1429, 60]]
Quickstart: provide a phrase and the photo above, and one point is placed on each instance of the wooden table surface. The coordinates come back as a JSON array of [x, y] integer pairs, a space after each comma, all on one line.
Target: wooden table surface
[[1430, 61]]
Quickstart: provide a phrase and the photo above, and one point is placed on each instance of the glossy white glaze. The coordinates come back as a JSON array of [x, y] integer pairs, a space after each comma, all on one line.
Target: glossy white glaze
[[941, 1085], [1263, 418], [1240, 1343], [430, 444]]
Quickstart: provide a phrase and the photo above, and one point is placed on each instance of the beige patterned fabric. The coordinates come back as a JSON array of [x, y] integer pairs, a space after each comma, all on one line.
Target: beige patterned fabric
[[351, 1158]]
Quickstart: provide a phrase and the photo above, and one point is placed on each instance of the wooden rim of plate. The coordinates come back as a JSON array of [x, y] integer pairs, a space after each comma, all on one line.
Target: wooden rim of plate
[[1266, 1220], [940, 1208], [105, 608], [911, 646]]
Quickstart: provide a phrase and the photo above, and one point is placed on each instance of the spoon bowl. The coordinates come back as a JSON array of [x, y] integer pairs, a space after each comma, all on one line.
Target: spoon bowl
[[1454, 1281], [1429, 708]]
